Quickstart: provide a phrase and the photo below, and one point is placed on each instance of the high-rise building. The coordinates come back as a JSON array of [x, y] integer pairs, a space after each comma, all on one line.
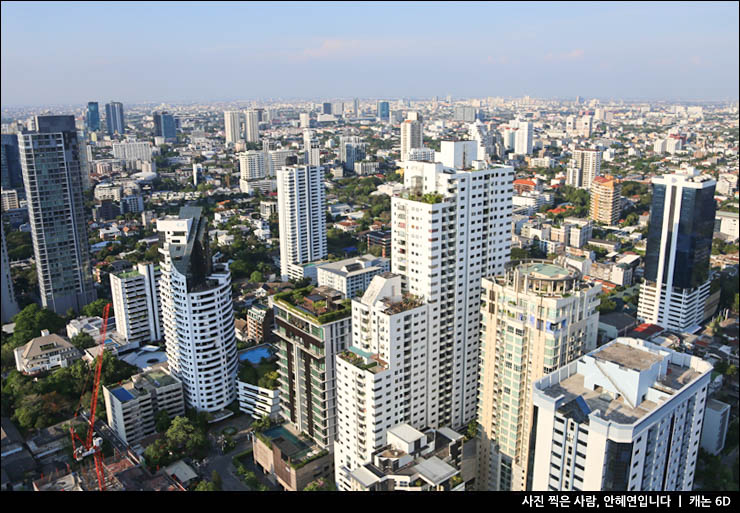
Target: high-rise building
[[197, 312], [130, 152], [136, 303], [9, 303], [311, 148], [232, 126], [411, 137], [606, 200], [11, 176], [251, 125], [305, 119], [679, 243], [114, 118], [450, 228], [626, 417], [464, 113], [10, 199], [164, 126], [356, 105], [583, 167], [301, 218], [326, 108], [383, 111], [383, 378], [92, 117], [275, 159], [52, 175], [312, 325], [351, 150], [535, 318], [252, 165], [523, 138]]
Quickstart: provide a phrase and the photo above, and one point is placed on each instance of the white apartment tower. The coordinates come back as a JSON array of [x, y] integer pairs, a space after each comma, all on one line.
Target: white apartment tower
[[301, 218], [679, 243], [535, 318], [411, 137], [136, 303], [523, 138], [197, 313], [232, 126], [583, 167], [382, 379], [311, 148], [450, 228], [252, 165], [251, 123], [626, 417]]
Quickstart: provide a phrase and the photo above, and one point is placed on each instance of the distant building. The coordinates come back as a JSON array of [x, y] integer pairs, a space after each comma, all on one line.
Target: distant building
[[164, 126], [606, 200], [383, 111], [583, 167], [114, 118], [92, 117]]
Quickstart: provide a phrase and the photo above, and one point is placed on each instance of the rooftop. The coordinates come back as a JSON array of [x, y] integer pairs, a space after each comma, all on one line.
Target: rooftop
[[627, 356]]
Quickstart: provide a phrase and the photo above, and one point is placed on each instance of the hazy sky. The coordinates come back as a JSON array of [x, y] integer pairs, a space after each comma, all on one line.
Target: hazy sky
[[63, 52]]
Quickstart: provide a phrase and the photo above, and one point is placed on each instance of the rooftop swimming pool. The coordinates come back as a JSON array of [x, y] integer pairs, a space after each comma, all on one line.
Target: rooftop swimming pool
[[256, 354]]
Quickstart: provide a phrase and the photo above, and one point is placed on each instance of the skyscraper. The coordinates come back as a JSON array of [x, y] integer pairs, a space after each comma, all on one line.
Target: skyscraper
[[383, 111], [535, 318], [252, 133], [92, 116], [351, 150], [583, 167], [9, 304], [411, 137], [301, 218], [606, 200], [197, 312], [164, 126], [625, 417], [114, 118], [679, 243], [450, 229], [232, 126], [326, 108], [53, 180], [523, 138], [311, 148], [11, 176]]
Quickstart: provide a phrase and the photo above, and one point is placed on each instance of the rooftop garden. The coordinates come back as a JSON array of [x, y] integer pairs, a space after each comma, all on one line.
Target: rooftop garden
[[358, 361], [408, 302], [321, 311], [430, 197], [263, 375]]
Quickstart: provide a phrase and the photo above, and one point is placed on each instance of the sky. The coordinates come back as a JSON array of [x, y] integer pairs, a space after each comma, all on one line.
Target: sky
[[56, 53]]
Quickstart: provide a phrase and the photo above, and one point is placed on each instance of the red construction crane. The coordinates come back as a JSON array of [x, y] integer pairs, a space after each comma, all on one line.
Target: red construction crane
[[92, 444]]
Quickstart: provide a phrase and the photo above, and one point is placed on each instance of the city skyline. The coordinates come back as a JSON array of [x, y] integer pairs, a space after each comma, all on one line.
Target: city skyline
[[644, 52]]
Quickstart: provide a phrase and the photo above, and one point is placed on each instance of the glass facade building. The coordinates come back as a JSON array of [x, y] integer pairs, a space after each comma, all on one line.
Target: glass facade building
[[92, 118]]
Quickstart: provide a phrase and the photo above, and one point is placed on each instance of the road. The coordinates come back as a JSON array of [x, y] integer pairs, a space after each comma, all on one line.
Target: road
[[221, 463]]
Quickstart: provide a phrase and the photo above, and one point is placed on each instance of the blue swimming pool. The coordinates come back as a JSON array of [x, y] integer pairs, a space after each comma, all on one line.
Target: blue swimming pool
[[256, 354]]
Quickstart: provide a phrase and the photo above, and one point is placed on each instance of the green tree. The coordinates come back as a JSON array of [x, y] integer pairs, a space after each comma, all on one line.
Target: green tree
[[606, 306], [31, 320], [519, 254], [256, 277], [162, 421], [83, 341], [95, 309], [207, 486]]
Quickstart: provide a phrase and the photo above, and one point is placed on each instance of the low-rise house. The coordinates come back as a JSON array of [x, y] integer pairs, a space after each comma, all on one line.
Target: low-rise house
[[44, 353], [413, 461]]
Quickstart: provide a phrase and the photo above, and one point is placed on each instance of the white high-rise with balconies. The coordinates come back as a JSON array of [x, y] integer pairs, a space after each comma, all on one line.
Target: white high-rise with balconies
[[626, 417], [411, 137], [251, 123], [136, 303], [451, 227], [252, 165], [382, 378], [301, 218], [523, 138], [311, 148], [232, 126], [197, 313], [583, 167]]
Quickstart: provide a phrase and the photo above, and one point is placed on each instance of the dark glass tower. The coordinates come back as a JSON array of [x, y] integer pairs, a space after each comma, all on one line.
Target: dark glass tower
[[11, 176], [164, 126], [52, 175], [384, 111], [114, 117], [92, 118]]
